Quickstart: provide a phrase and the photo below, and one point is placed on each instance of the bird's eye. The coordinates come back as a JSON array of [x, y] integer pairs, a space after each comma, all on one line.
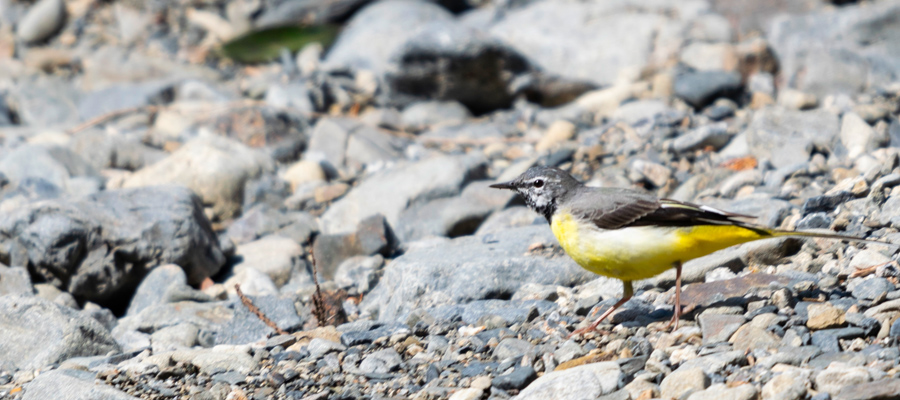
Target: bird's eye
[[538, 183]]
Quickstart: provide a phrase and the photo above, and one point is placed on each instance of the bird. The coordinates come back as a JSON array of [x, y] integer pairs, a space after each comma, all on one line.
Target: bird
[[629, 234]]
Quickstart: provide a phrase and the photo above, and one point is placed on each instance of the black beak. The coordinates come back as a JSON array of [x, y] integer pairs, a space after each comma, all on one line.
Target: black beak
[[504, 185]]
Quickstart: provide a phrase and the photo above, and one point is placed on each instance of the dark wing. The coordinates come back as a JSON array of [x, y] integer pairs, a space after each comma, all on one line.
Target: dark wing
[[613, 208], [622, 208], [678, 213]]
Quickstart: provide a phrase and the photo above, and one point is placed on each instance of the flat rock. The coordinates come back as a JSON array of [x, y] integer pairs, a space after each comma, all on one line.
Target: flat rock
[[555, 35], [391, 191], [781, 135], [705, 294], [64, 333], [582, 382], [94, 246], [466, 269], [882, 389], [683, 381], [721, 391], [838, 376], [824, 316], [717, 328], [79, 385]]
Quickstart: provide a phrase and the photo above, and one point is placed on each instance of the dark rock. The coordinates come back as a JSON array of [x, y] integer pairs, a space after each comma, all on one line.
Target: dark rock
[[448, 61], [95, 246], [895, 329], [700, 88], [78, 385], [870, 326], [35, 333], [373, 236], [373, 333], [466, 269], [516, 380], [263, 219]]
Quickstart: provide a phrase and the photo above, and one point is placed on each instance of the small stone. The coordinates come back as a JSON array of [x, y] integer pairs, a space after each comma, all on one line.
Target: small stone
[[511, 347], [657, 174], [319, 347], [715, 136], [381, 362], [750, 337], [42, 20], [882, 389], [784, 387], [858, 137], [721, 391], [303, 172], [824, 316], [701, 88], [871, 289], [797, 100], [516, 380], [329, 193], [467, 394], [837, 376], [717, 328], [582, 382], [681, 382], [558, 132]]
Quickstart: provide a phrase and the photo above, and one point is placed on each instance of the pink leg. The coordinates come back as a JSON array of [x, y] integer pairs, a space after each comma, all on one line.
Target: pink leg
[[626, 295], [677, 315]]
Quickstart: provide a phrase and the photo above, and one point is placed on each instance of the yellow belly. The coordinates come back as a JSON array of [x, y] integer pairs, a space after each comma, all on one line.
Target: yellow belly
[[642, 252]]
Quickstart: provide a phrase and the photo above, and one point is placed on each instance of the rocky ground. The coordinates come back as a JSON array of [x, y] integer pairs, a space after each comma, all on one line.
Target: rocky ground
[[143, 175]]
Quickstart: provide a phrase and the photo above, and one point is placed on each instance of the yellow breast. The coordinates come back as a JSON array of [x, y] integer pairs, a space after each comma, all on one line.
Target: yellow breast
[[641, 252]]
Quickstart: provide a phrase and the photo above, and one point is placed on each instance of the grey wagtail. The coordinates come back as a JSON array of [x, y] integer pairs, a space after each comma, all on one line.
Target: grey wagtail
[[631, 235]]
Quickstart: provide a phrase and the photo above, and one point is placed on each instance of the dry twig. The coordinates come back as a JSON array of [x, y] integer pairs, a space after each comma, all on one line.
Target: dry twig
[[317, 297], [255, 310]]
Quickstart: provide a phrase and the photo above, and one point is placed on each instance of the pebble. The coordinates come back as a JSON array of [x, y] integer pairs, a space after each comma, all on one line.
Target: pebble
[[684, 381], [784, 387], [42, 20], [594, 380], [557, 133], [824, 316]]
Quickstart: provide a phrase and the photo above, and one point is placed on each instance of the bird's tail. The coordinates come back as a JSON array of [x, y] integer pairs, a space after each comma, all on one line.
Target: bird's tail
[[786, 233]]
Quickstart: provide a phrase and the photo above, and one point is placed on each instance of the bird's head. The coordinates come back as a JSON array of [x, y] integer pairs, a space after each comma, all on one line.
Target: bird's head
[[542, 188]]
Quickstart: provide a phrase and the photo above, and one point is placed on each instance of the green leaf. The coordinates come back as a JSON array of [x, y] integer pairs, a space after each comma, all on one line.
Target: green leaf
[[266, 44]]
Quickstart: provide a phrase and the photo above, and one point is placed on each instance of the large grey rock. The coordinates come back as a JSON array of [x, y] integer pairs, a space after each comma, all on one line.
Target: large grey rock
[[453, 216], [844, 50], [71, 384], [214, 167], [786, 137], [448, 61], [53, 164], [700, 88], [373, 35], [391, 191], [35, 333], [583, 382], [45, 101], [468, 268], [557, 35], [43, 19], [118, 97], [95, 246]]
